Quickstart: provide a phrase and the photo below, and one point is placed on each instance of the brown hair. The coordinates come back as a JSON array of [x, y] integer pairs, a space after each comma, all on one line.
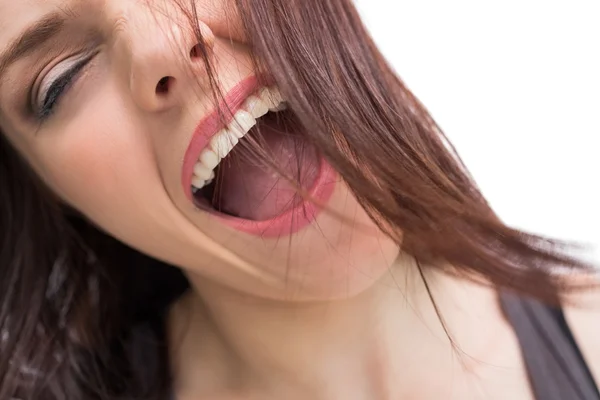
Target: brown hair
[[68, 306]]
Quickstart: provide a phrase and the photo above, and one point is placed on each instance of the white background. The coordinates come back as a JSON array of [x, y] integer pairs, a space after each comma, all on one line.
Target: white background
[[515, 84]]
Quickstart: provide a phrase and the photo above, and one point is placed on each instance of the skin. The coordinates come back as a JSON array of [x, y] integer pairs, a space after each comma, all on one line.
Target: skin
[[334, 311]]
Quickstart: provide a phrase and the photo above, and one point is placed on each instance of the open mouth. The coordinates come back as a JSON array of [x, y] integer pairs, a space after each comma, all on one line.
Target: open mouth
[[257, 172]]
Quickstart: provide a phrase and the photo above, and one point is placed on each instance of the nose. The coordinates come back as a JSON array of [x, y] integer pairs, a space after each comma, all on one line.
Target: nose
[[166, 57]]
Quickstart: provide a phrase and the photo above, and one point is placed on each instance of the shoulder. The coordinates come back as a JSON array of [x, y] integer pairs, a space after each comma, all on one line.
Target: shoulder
[[582, 312]]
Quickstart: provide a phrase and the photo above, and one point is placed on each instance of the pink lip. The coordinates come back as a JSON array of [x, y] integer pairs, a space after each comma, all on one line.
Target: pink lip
[[290, 221]]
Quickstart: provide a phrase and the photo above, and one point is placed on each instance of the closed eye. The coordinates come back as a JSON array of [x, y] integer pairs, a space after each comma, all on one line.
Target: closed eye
[[56, 89]]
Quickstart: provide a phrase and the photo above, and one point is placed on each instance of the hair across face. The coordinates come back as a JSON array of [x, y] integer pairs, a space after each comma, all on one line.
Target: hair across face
[[118, 124], [113, 114]]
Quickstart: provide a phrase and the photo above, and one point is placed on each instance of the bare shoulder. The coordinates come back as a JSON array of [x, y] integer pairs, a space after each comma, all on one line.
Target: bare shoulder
[[583, 317]]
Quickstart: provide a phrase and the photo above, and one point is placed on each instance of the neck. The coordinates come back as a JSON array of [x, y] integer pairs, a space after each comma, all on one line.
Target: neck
[[385, 343]]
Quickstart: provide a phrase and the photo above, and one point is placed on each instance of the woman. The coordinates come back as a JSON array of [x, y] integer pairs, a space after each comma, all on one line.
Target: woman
[[239, 200]]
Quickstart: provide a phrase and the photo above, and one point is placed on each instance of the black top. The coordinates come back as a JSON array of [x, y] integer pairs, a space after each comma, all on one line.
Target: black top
[[555, 365]]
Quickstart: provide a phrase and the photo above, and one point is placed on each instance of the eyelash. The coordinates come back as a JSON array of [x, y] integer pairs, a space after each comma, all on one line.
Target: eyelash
[[58, 88]]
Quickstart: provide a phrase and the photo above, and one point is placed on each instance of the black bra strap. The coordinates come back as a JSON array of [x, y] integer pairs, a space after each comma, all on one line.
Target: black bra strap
[[556, 367]]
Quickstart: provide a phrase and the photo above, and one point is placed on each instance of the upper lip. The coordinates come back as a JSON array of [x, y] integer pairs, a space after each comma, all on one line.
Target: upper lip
[[211, 124]]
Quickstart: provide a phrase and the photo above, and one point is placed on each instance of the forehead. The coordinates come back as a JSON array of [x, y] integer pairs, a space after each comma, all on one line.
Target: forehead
[[16, 15]]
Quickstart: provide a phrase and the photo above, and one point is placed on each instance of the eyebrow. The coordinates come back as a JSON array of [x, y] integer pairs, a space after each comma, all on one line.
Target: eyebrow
[[33, 39]]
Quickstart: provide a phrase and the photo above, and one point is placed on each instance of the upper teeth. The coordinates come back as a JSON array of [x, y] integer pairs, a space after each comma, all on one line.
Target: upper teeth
[[255, 106]]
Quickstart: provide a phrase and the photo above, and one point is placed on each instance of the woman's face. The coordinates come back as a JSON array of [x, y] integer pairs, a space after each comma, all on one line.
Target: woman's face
[[110, 104]]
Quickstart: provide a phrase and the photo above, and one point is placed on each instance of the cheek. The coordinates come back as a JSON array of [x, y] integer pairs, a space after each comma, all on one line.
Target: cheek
[[222, 18], [98, 164]]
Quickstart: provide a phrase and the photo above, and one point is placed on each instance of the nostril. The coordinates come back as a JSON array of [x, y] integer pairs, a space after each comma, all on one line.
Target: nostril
[[164, 85], [196, 51]]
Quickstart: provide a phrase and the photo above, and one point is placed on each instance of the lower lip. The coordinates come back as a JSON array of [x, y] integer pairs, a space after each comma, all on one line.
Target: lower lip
[[294, 219]]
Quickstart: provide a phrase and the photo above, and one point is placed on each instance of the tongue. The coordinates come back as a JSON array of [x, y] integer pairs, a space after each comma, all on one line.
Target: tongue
[[249, 189]]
